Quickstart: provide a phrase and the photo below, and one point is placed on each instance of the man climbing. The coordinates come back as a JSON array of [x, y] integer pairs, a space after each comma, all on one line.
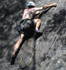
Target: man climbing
[[28, 17]]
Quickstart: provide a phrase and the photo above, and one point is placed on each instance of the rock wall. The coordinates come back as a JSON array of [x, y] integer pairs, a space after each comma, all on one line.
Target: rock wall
[[49, 51]]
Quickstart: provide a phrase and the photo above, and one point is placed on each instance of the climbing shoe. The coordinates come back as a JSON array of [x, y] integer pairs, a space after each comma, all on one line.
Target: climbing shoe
[[38, 33], [12, 61]]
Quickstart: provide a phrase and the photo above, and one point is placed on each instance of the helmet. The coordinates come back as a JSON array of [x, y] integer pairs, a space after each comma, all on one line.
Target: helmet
[[31, 4]]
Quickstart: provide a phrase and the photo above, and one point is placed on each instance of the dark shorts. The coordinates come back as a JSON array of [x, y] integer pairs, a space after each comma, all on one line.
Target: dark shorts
[[25, 26]]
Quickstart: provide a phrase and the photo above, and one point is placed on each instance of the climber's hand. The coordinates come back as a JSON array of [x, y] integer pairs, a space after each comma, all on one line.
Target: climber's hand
[[53, 4]]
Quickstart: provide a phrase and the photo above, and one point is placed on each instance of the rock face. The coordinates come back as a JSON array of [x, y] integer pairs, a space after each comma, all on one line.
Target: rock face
[[46, 53]]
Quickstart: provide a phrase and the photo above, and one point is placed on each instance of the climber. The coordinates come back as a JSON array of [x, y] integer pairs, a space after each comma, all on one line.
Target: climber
[[28, 19]]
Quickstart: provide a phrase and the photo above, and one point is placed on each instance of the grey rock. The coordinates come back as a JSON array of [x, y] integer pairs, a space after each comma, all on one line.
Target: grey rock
[[50, 50]]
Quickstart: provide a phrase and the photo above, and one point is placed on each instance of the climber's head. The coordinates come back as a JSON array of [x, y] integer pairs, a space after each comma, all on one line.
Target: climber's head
[[31, 4]]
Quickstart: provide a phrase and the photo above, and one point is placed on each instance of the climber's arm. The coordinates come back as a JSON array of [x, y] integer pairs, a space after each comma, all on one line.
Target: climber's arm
[[50, 5], [44, 7]]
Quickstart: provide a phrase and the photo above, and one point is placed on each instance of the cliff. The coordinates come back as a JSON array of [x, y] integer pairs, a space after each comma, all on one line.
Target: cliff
[[48, 52]]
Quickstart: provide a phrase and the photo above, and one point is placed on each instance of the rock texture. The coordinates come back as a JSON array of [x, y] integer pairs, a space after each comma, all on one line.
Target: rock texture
[[48, 52]]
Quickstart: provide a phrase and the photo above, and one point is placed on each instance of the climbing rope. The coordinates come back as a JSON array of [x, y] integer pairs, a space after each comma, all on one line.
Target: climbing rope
[[55, 38], [24, 51]]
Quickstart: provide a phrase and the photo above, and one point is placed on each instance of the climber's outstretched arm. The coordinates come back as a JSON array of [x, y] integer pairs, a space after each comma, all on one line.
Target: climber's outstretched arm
[[44, 7], [50, 5]]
